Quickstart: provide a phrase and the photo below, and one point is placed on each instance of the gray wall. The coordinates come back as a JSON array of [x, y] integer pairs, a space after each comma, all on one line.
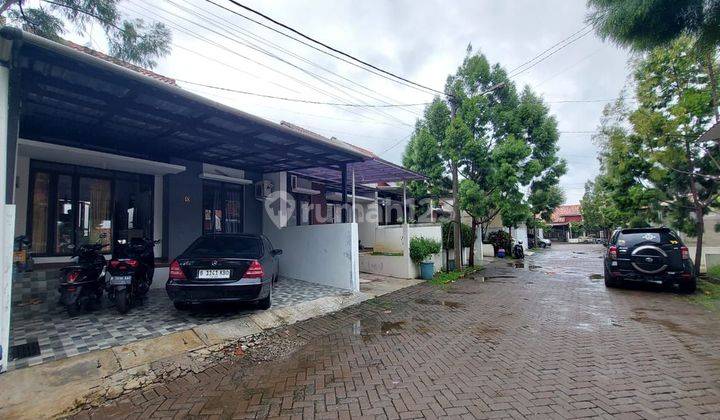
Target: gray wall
[[253, 207], [184, 207], [183, 202]]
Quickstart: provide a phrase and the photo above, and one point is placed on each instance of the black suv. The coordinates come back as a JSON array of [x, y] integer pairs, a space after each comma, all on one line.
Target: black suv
[[649, 255]]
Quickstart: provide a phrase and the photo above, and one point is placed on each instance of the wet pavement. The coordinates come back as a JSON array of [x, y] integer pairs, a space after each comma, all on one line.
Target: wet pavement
[[541, 338]]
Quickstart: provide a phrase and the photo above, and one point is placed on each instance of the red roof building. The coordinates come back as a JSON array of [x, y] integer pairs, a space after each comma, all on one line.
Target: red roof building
[[566, 214]]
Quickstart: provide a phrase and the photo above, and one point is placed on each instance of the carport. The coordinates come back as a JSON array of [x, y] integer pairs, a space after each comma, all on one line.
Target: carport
[[92, 145]]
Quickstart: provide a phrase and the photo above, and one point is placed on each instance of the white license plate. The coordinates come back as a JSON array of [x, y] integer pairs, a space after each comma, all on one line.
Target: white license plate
[[120, 279], [214, 274]]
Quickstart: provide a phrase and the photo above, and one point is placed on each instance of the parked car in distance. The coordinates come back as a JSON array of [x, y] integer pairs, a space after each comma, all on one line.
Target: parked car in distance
[[649, 255], [224, 268], [534, 241]]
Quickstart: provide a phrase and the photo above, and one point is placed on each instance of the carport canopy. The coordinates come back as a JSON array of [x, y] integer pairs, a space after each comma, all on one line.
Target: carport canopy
[[72, 98]]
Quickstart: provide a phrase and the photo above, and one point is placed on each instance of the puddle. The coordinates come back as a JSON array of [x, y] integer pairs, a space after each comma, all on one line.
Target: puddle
[[449, 304], [595, 276], [482, 330], [500, 277], [665, 323], [388, 327]]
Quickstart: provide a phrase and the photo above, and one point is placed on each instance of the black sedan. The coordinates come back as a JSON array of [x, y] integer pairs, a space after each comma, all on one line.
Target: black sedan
[[224, 268]]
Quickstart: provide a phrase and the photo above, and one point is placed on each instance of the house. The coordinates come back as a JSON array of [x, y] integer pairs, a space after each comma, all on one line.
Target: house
[[561, 220], [96, 148]]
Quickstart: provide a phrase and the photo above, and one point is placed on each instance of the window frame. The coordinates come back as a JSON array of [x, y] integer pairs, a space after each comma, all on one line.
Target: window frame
[[223, 186]]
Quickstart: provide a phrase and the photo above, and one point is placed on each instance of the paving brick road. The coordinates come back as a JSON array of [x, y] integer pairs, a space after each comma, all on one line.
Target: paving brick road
[[544, 339]]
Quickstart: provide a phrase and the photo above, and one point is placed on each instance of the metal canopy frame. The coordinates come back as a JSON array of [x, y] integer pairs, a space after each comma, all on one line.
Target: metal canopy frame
[[76, 99]]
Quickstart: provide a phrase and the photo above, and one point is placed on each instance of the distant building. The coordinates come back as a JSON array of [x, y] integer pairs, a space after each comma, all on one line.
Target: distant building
[[561, 219]]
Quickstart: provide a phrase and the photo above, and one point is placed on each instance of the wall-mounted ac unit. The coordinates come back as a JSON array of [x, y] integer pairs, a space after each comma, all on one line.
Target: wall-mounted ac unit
[[301, 186], [263, 189]]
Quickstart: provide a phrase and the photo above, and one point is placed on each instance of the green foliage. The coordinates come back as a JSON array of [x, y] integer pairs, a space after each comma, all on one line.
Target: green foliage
[[133, 41], [647, 24], [500, 239], [714, 272], [422, 248], [442, 278], [708, 294], [387, 254], [448, 235]]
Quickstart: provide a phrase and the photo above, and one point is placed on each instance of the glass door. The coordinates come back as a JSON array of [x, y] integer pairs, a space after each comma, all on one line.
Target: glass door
[[94, 212], [222, 208]]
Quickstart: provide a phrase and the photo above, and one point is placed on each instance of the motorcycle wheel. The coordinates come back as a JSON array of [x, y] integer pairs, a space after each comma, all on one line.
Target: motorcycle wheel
[[122, 301], [73, 310]]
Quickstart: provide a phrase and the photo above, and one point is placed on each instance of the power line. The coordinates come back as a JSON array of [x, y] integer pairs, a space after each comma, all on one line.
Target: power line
[[305, 101], [243, 31], [191, 33], [297, 32], [278, 47], [549, 52]]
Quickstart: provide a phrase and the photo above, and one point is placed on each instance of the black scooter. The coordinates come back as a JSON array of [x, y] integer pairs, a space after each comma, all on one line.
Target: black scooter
[[518, 252], [130, 271], [82, 284]]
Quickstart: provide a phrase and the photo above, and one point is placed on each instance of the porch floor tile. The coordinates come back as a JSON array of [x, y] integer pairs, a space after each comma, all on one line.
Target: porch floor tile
[[39, 317]]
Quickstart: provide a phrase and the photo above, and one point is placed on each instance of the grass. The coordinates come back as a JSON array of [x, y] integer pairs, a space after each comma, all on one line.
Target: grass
[[387, 254], [714, 272], [708, 294], [442, 278]]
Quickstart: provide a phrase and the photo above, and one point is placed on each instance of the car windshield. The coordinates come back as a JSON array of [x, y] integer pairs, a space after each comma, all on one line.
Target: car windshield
[[633, 238], [226, 247]]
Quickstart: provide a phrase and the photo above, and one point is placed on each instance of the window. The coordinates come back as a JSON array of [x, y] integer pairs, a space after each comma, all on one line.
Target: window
[[74, 205], [222, 207]]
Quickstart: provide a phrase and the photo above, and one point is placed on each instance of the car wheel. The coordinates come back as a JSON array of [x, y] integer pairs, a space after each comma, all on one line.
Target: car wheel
[[609, 281], [267, 302], [688, 287], [181, 306], [543, 245]]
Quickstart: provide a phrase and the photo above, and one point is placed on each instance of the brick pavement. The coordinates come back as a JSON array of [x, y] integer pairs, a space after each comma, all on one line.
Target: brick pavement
[[544, 340]]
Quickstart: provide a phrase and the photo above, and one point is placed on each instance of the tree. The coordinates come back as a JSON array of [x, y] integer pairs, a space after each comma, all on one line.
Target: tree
[[659, 164], [643, 25], [134, 40], [497, 141]]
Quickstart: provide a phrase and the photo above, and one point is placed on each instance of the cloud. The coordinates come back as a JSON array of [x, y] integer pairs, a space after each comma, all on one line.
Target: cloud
[[423, 41]]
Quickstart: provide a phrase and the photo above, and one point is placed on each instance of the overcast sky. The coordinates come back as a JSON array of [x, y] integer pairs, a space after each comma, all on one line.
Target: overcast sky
[[422, 41]]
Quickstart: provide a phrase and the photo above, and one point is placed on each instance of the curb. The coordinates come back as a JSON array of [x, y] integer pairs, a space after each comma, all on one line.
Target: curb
[[91, 378]]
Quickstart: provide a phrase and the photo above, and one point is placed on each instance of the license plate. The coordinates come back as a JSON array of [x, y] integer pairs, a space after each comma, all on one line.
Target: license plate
[[120, 279], [214, 274]]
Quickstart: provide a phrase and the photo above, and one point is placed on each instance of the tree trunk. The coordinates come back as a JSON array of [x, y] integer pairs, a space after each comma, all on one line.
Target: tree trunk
[[456, 209], [473, 225], [699, 223]]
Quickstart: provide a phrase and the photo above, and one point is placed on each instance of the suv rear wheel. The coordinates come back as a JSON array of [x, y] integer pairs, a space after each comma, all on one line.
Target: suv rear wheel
[[688, 287], [609, 281]]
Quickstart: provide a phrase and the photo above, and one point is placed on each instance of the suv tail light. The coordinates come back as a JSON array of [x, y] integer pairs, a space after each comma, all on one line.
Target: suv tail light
[[685, 252], [72, 276], [255, 271], [175, 272], [612, 252]]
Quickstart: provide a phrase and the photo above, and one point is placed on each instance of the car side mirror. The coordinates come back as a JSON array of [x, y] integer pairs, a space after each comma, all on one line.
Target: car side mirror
[[276, 252]]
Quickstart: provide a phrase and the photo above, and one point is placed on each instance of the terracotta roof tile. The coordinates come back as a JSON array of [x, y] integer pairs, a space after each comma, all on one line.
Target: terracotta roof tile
[[561, 212], [119, 62]]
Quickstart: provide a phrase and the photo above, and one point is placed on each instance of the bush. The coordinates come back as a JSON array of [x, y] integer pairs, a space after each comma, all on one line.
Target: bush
[[448, 235], [500, 239], [421, 248]]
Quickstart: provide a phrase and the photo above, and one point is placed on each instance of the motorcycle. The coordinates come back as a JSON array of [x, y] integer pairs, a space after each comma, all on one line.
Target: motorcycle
[[82, 284], [22, 259], [517, 251], [130, 271]]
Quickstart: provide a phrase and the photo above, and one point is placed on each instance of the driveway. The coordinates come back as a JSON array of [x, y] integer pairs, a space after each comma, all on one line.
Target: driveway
[[544, 338]]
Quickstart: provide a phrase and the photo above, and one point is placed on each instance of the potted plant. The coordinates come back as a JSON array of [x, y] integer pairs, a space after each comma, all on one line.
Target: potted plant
[[420, 249]]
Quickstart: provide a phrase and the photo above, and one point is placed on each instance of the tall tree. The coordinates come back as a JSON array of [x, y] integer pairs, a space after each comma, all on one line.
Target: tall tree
[[497, 141], [660, 164], [133, 40], [643, 25]]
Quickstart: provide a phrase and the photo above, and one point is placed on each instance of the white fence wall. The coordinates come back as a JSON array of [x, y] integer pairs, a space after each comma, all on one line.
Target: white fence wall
[[389, 238], [324, 254]]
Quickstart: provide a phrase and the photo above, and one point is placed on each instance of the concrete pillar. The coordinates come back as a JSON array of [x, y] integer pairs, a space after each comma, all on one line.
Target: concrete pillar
[[9, 110]]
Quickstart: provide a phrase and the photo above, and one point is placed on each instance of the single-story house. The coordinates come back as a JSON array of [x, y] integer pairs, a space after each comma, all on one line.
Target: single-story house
[[92, 147], [560, 222]]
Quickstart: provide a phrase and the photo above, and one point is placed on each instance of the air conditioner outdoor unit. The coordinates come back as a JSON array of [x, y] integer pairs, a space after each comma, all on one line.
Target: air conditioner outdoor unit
[[301, 186], [263, 189]]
